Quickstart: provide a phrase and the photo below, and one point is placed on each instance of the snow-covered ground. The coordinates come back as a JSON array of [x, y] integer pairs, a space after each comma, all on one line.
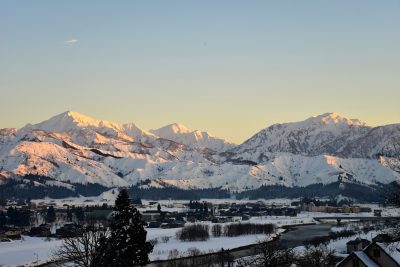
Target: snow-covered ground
[[161, 250], [27, 251], [30, 248]]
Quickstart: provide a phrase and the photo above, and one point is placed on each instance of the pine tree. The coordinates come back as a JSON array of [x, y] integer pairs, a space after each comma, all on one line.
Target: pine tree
[[69, 214], [126, 244], [3, 219], [51, 215]]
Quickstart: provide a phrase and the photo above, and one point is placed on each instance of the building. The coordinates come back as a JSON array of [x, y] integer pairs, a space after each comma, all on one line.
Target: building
[[15, 235], [374, 255], [378, 213], [42, 230], [382, 238], [357, 244], [151, 215]]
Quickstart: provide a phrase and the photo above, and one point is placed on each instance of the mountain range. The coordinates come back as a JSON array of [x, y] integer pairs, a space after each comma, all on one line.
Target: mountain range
[[72, 149]]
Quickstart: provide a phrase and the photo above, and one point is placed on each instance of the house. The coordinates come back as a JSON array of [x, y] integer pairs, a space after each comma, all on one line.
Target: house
[[151, 215], [13, 234], [42, 230], [378, 213], [357, 244], [69, 230], [245, 217], [154, 224], [374, 255], [173, 224], [382, 238]]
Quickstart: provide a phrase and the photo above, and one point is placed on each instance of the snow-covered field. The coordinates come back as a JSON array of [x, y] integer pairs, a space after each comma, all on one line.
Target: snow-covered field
[[161, 250], [27, 251]]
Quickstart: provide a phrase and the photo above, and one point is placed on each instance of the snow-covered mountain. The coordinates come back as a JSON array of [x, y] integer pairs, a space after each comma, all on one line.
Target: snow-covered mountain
[[194, 139], [327, 134], [78, 125], [71, 149]]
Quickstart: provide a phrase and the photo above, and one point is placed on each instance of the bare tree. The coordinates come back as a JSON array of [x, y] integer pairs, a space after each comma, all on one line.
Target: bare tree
[[269, 254], [216, 230], [318, 256], [81, 250]]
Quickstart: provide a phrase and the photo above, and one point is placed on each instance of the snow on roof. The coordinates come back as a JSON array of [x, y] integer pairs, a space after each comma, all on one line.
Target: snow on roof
[[393, 249], [365, 259]]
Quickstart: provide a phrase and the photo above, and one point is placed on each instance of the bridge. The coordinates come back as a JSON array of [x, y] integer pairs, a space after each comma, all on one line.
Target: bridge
[[340, 218]]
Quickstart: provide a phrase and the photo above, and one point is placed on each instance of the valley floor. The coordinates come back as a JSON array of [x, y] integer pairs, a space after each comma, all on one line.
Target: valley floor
[[32, 250]]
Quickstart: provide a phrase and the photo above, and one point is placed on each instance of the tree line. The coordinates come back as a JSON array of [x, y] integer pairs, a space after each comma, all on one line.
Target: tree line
[[201, 232]]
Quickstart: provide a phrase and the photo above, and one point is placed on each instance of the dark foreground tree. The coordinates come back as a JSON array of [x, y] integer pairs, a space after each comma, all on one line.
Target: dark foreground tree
[[80, 251], [394, 199], [126, 244]]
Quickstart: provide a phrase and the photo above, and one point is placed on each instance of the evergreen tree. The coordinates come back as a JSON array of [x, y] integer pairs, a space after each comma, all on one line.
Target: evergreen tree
[[205, 208], [159, 207], [3, 202], [126, 244], [69, 214], [394, 197], [51, 215], [80, 214], [3, 219]]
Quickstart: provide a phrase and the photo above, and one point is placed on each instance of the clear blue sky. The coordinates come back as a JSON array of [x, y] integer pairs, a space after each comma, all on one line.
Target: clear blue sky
[[229, 67]]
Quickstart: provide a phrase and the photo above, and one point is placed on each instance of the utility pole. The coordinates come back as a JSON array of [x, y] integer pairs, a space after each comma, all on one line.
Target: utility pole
[[37, 257]]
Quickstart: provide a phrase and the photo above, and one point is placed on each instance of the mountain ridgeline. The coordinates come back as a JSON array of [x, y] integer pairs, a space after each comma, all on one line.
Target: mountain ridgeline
[[72, 154]]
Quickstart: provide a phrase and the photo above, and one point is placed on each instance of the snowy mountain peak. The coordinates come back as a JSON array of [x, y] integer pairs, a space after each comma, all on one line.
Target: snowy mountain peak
[[68, 121], [72, 122], [174, 128], [72, 148], [323, 134], [195, 139], [334, 118]]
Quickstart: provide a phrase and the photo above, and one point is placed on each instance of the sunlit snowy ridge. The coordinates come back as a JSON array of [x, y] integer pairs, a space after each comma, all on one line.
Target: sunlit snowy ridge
[[71, 148]]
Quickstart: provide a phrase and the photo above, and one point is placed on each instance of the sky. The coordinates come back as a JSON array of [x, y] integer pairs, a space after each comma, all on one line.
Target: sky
[[227, 67]]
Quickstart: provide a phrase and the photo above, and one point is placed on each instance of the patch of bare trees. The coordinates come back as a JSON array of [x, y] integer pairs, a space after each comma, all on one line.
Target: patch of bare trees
[[81, 250], [194, 232], [200, 232], [237, 229], [216, 230], [270, 254]]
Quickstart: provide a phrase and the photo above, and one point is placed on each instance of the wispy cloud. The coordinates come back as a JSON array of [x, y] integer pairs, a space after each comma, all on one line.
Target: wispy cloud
[[72, 41]]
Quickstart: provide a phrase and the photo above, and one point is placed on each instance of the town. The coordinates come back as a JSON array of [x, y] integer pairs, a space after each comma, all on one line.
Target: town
[[54, 220]]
